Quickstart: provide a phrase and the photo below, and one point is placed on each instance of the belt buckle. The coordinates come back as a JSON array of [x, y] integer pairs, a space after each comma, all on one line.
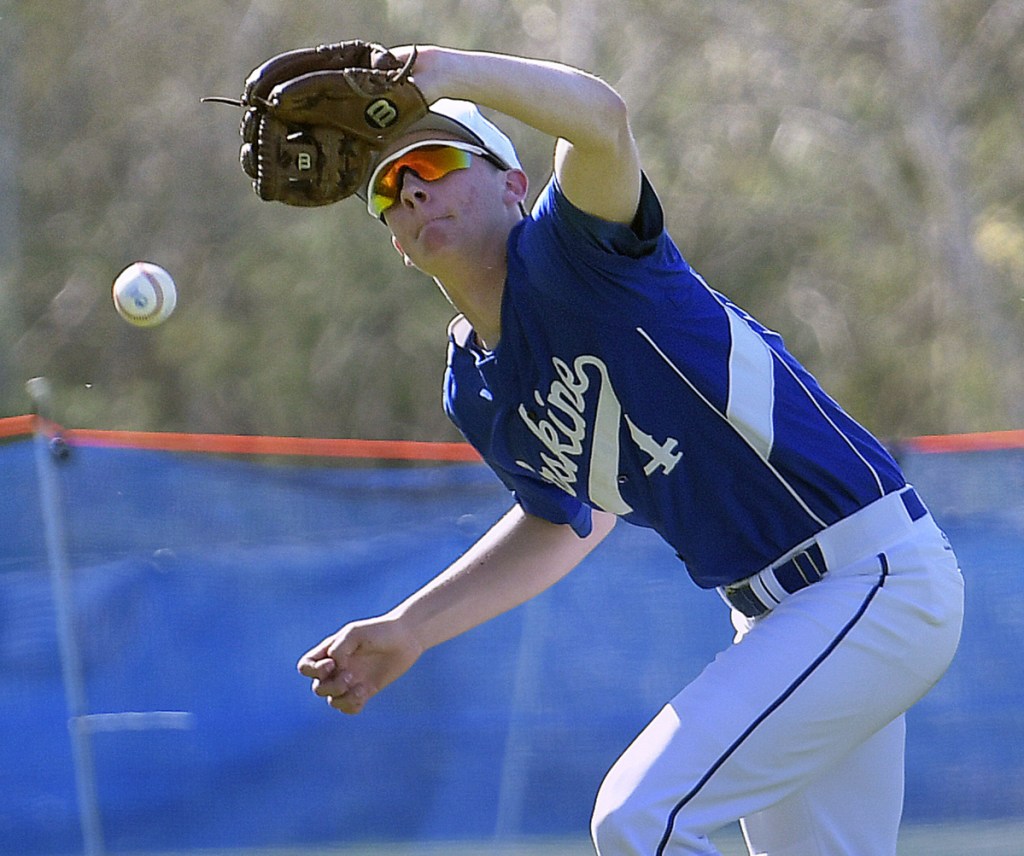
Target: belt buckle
[[740, 596]]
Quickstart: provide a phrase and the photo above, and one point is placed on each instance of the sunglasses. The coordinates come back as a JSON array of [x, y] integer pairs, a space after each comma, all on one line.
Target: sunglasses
[[430, 161]]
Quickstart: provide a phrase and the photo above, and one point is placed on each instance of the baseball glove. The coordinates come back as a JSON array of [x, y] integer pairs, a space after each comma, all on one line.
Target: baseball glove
[[316, 118]]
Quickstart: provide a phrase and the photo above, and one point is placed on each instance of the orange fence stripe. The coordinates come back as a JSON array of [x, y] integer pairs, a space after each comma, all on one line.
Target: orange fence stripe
[[17, 426], [397, 450], [984, 442], [235, 444], [238, 444]]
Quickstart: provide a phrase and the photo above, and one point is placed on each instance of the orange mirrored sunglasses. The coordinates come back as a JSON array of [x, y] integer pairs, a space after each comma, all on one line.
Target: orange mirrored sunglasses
[[430, 161]]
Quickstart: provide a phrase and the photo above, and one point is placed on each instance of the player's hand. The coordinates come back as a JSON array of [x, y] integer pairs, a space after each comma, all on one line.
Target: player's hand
[[351, 666], [429, 72]]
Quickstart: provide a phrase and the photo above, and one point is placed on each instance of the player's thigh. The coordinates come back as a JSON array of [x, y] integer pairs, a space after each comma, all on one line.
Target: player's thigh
[[827, 669]]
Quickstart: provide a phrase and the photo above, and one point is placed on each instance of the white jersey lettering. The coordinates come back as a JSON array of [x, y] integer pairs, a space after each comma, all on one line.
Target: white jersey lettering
[[562, 429]]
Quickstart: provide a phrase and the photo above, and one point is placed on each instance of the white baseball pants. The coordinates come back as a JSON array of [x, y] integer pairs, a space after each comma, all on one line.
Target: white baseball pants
[[797, 729]]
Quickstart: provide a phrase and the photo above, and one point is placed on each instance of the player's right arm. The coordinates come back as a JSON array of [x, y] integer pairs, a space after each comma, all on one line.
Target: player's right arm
[[596, 158], [517, 559]]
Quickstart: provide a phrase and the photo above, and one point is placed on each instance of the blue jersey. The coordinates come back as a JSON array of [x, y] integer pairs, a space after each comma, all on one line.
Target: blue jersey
[[622, 381]]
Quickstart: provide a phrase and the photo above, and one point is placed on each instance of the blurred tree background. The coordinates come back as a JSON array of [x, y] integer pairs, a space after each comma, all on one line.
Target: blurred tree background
[[850, 171]]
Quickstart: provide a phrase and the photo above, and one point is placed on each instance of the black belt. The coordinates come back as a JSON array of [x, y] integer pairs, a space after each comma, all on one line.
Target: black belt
[[797, 572]]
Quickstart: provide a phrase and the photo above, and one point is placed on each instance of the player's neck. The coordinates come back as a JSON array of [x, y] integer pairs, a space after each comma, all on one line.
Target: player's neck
[[479, 299], [473, 280]]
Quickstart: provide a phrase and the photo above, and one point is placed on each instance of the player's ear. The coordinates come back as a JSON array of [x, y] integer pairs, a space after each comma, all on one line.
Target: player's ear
[[398, 248], [516, 186]]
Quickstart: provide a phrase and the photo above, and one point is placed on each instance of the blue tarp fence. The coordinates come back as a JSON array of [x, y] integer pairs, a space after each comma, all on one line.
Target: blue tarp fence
[[194, 583]]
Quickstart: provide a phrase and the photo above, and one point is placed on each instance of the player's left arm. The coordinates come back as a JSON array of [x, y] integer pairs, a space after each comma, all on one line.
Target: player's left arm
[[517, 559], [597, 163]]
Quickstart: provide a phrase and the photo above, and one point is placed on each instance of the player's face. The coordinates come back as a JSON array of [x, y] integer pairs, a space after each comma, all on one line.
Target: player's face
[[451, 218]]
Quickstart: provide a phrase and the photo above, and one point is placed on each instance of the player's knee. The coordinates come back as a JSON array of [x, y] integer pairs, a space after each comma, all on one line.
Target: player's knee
[[616, 826], [628, 824], [608, 832]]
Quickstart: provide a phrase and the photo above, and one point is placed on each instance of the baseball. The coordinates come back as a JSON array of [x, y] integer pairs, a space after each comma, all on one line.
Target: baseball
[[144, 294]]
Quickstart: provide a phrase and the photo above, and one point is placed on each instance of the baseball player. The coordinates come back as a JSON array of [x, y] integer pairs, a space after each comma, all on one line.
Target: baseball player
[[602, 378]]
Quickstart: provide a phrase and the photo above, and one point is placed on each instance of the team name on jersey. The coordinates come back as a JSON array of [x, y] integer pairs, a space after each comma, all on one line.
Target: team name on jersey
[[562, 427]]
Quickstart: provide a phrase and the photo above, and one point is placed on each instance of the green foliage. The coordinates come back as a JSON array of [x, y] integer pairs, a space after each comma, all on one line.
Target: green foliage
[[849, 172]]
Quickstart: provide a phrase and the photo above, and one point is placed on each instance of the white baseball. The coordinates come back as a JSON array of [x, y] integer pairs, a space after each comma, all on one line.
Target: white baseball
[[144, 294]]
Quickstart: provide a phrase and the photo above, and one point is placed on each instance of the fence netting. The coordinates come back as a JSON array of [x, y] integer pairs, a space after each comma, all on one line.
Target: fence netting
[[153, 604]]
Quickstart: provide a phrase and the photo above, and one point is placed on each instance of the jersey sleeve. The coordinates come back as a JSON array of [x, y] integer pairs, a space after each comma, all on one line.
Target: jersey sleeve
[[638, 239], [566, 258], [548, 502]]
